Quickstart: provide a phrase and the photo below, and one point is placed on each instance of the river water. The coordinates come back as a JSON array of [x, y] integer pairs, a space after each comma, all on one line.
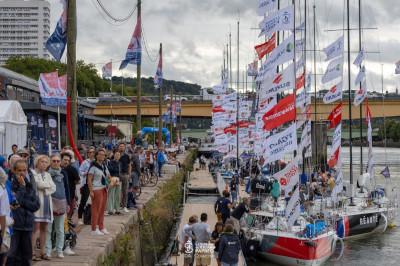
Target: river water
[[379, 249]]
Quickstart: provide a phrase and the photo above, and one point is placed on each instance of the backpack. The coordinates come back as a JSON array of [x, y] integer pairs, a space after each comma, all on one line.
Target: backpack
[[87, 214]]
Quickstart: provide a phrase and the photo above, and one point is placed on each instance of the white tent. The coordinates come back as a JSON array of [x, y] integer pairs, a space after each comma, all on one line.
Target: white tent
[[13, 126]]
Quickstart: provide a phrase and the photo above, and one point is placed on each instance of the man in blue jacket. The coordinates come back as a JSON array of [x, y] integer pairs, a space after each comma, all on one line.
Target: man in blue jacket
[[229, 247], [23, 207]]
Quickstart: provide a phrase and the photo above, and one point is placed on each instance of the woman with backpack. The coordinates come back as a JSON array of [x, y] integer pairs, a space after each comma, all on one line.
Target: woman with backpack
[[98, 180]]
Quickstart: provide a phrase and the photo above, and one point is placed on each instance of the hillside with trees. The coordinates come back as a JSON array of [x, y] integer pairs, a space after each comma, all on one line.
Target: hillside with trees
[[89, 83]]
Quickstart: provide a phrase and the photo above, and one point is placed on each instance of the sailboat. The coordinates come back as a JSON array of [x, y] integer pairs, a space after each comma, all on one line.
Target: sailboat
[[365, 212]]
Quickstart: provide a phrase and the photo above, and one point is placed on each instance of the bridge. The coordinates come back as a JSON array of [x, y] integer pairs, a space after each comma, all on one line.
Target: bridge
[[202, 109]]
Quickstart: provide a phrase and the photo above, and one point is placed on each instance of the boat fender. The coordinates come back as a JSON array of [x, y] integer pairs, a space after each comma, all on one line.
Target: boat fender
[[310, 243], [341, 248], [386, 222]]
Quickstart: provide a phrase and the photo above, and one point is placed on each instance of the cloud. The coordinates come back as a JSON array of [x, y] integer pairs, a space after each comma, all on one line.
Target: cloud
[[194, 34]]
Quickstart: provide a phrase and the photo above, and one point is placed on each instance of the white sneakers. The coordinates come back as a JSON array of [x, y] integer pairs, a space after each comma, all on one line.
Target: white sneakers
[[126, 210], [97, 232], [80, 222], [104, 231], [68, 251], [60, 255]]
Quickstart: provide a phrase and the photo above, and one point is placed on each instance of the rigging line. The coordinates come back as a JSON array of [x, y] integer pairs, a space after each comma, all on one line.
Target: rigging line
[[104, 16], [108, 13], [151, 58]]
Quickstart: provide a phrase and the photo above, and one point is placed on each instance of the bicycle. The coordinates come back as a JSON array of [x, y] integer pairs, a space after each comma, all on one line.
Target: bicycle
[[148, 178]]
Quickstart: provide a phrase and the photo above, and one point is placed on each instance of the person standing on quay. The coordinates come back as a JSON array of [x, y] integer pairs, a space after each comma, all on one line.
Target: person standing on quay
[[202, 233], [83, 169], [22, 208], [60, 202], [126, 170], [229, 247], [98, 179], [114, 190], [44, 216]]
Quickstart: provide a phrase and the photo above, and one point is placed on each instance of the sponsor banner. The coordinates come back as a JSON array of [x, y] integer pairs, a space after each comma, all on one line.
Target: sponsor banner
[[281, 54], [338, 185], [289, 176], [360, 58], [337, 137], [335, 49], [266, 104], [280, 20], [333, 71], [292, 211], [279, 144], [158, 78], [334, 157], [279, 83], [221, 139], [334, 94], [301, 99], [361, 94], [266, 47], [267, 6], [281, 113], [52, 89], [335, 117]]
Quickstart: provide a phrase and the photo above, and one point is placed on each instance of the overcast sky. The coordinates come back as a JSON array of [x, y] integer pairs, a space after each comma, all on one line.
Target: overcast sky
[[195, 32]]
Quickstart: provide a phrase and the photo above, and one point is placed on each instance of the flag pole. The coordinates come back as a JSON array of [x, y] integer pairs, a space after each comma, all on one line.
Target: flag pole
[[111, 77], [159, 108], [139, 81], [237, 101], [71, 67], [170, 116]]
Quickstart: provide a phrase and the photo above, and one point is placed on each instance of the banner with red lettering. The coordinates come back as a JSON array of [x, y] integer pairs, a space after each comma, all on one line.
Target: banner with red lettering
[[335, 117], [266, 47]]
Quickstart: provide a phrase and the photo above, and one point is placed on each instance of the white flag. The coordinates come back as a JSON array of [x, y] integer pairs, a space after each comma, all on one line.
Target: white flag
[[292, 211], [338, 185], [281, 54], [336, 139], [360, 58], [278, 83], [397, 69], [279, 144], [360, 94], [335, 49], [230, 97], [334, 94], [288, 177], [267, 6], [281, 20], [360, 76], [334, 70], [301, 99], [219, 89]]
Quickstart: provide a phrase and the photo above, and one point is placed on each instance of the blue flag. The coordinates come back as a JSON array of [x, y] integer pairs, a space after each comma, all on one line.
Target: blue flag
[[58, 40], [385, 172], [159, 75], [134, 52]]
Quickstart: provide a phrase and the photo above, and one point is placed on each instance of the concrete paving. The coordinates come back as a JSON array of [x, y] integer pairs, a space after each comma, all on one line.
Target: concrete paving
[[90, 249]]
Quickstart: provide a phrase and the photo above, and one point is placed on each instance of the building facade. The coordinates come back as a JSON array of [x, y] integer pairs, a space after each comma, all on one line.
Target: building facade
[[24, 28]]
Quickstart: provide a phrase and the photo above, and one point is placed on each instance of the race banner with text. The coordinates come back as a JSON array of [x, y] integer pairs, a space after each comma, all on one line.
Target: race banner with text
[[281, 20], [288, 177], [334, 94], [284, 111], [279, 144], [279, 83]]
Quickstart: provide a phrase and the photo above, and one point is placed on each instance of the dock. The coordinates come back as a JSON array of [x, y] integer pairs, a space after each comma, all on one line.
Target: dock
[[200, 180]]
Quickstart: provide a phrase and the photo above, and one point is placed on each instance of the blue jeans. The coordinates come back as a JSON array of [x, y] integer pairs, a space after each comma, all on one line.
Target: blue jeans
[[160, 165], [228, 264], [59, 229], [234, 196]]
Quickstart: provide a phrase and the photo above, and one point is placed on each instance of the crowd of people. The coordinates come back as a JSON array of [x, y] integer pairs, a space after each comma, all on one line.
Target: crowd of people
[[41, 196]]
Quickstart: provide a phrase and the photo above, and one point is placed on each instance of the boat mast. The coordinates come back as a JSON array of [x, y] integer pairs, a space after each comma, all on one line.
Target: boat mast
[[305, 67], [361, 112], [237, 102], [349, 96], [315, 88]]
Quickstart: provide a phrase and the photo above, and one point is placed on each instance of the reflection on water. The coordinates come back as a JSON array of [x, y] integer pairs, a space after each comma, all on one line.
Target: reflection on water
[[376, 249]]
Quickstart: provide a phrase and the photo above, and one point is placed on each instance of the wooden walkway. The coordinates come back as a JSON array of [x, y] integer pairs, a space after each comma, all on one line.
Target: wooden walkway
[[201, 179]]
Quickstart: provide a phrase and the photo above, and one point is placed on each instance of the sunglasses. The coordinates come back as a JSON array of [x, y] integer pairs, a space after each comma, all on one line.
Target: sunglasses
[[24, 155], [56, 161]]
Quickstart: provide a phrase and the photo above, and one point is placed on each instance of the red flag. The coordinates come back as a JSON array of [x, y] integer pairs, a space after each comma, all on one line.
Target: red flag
[[300, 81], [231, 129], [265, 48], [218, 109], [281, 113], [368, 114], [335, 117], [334, 158]]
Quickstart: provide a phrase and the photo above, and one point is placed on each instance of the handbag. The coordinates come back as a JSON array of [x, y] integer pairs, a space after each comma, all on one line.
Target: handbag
[[59, 206], [87, 214]]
